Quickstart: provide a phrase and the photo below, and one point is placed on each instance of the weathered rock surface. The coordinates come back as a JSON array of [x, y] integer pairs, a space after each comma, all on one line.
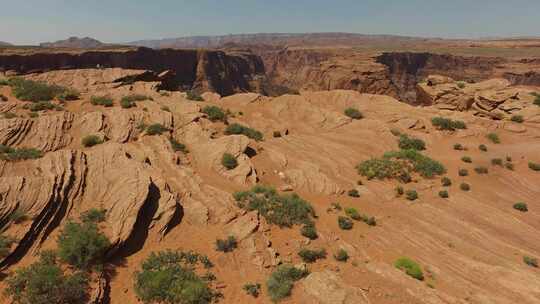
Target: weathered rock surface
[[327, 288]]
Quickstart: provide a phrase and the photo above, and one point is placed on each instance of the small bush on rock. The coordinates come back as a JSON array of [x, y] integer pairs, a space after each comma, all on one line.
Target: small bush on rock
[[447, 124], [5, 245], [105, 101], [534, 166], [281, 281], [494, 138], [282, 210], [170, 277], [521, 207], [410, 267], [156, 129], [443, 194], [353, 113], [345, 223], [16, 154], [463, 172], [517, 118], [227, 245], [533, 262], [406, 142], [411, 195], [309, 231], [177, 146], [446, 182], [465, 187], [466, 159], [311, 256], [481, 170], [459, 147], [497, 162], [235, 129], [341, 255], [45, 282], [82, 245], [253, 289], [353, 193], [214, 113], [91, 140], [229, 161], [483, 148]]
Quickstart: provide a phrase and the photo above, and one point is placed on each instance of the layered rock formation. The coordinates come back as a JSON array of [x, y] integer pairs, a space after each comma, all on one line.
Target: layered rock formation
[[494, 98], [224, 73], [157, 198]]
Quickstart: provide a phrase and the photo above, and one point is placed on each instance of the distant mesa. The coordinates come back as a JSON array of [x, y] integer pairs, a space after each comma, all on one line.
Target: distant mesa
[[2, 43], [75, 42]]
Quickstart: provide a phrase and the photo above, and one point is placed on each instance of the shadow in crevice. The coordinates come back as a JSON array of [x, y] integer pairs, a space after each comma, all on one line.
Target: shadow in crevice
[[176, 219], [250, 152], [139, 234]]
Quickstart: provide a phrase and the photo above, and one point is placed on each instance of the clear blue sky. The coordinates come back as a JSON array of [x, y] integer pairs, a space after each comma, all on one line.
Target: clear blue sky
[[34, 21]]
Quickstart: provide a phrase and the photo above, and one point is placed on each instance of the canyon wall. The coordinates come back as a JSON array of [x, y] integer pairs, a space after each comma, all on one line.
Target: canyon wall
[[223, 72]]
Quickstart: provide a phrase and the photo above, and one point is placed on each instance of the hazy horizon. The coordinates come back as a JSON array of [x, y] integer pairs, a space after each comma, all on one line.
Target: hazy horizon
[[32, 22]]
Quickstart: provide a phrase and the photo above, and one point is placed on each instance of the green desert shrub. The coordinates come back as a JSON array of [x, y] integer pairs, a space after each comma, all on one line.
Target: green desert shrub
[[45, 282], [91, 140], [341, 255], [463, 172], [494, 138], [497, 162], [194, 96], [537, 100], [481, 170], [309, 231], [82, 245], [353, 193], [105, 101], [521, 207], [411, 195], [235, 129], [229, 161], [126, 104], [517, 118], [447, 124], [466, 159], [353, 113], [421, 164], [534, 166], [459, 147], [33, 115], [353, 213], [509, 166], [252, 289], [171, 277], [311, 256], [465, 187], [214, 113], [443, 194], [177, 146], [533, 262], [482, 148], [15, 154], [399, 165], [406, 143], [41, 106], [4, 82], [345, 223], [69, 95], [410, 267], [461, 84], [446, 182], [284, 210], [156, 129], [399, 191], [281, 281], [94, 215], [9, 115], [29, 90], [5, 245], [18, 216], [135, 98], [226, 245]]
